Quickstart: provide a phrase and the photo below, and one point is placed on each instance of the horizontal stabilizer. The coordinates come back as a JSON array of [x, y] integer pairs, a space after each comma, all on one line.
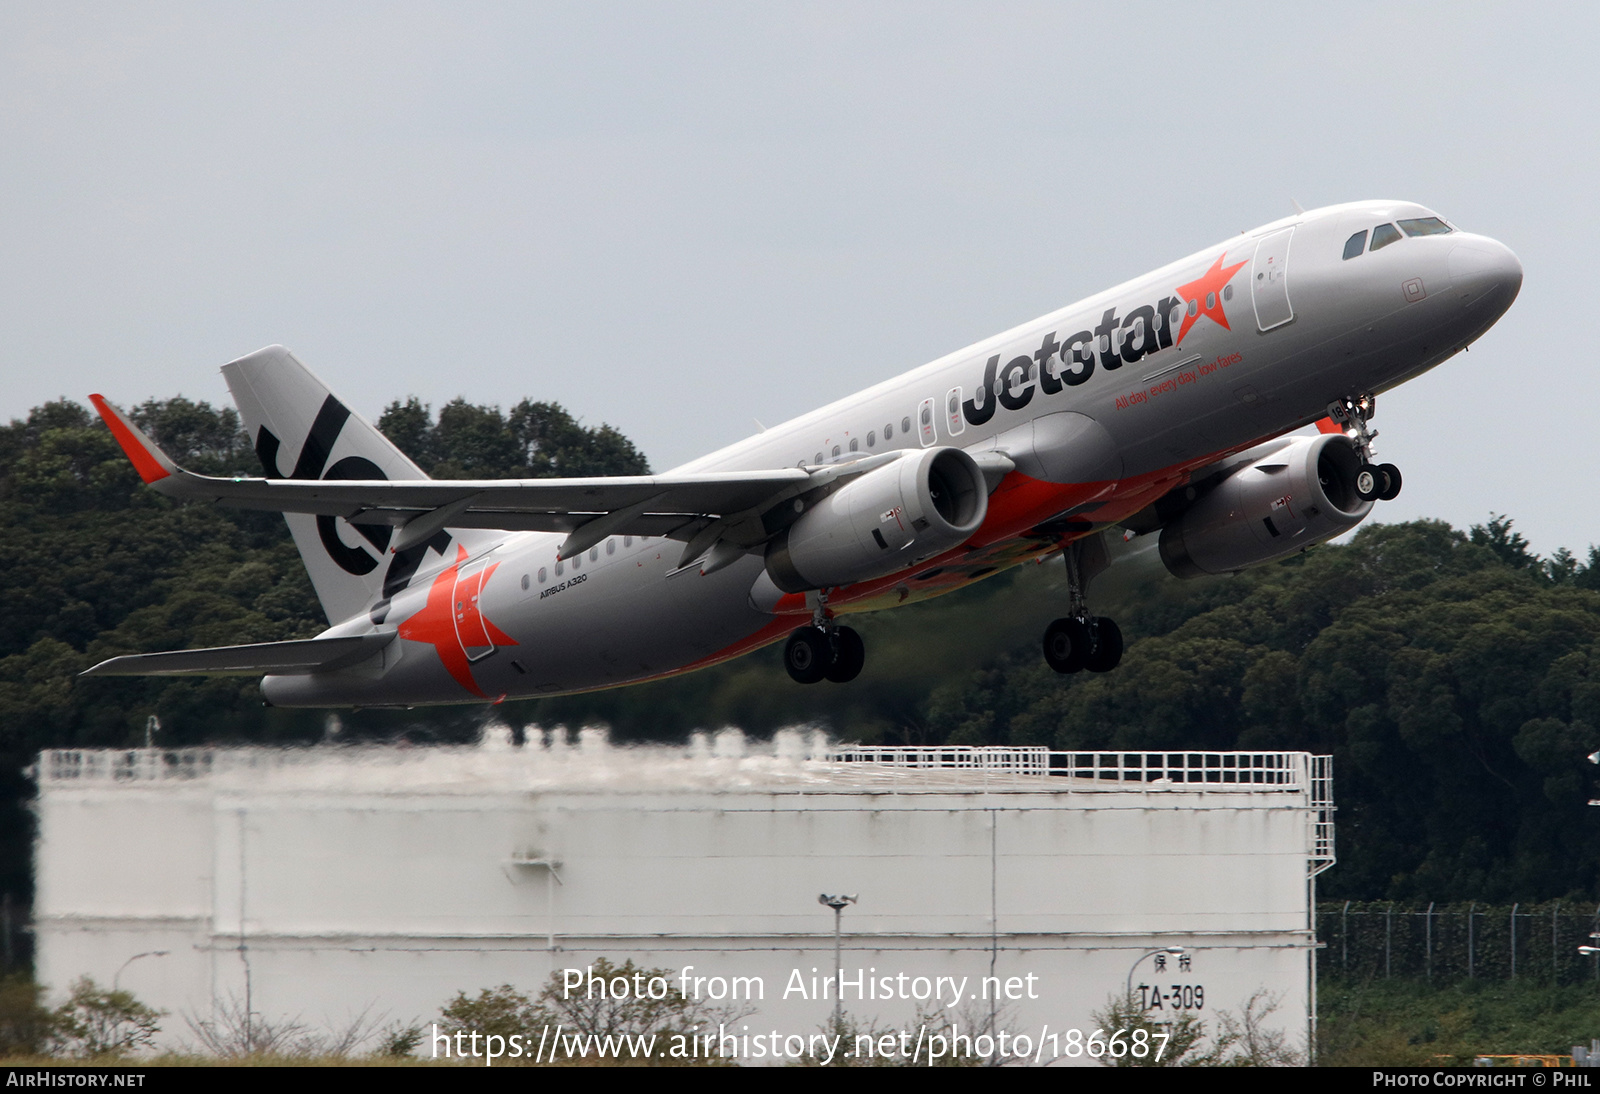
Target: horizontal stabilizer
[[298, 658]]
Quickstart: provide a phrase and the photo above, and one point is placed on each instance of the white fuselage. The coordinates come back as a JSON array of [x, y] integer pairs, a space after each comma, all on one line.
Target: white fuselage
[[1103, 407]]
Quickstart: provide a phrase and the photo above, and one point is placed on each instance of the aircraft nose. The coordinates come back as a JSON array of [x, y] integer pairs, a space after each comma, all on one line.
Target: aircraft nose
[[1485, 270]]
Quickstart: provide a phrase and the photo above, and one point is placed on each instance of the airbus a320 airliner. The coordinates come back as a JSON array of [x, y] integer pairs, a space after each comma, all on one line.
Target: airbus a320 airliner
[[1162, 405]]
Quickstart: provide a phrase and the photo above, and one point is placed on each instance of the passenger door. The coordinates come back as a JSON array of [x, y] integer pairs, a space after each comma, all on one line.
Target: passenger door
[[1269, 280]]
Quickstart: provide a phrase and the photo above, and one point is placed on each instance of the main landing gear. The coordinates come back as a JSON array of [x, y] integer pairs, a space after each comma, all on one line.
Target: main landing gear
[[824, 650], [824, 653], [1374, 482], [1082, 641], [1093, 643]]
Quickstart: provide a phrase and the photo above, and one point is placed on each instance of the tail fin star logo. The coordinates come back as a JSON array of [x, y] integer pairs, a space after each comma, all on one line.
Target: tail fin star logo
[[1205, 295]]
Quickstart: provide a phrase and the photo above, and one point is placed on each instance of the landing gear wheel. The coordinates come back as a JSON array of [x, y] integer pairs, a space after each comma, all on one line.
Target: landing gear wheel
[[849, 654], [1066, 645], [1391, 486], [807, 655], [1107, 653], [1369, 483]]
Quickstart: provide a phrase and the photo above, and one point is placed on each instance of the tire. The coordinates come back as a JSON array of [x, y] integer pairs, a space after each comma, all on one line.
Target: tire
[[1369, 482], [849, 654], [1107, 653], [806, 655], [1391, 486], [1066, 645]]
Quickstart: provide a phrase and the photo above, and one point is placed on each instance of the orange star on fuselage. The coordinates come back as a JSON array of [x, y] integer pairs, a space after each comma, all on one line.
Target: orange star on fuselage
[[435, 623], [1206, 292]]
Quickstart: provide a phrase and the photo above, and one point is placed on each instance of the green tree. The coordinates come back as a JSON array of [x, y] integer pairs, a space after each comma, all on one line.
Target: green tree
[[25, 1022], [95, 1022], [536, 440]]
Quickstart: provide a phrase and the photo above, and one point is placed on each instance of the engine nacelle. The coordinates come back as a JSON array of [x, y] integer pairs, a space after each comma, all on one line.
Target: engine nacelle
[[1292, 498], [884, 521]]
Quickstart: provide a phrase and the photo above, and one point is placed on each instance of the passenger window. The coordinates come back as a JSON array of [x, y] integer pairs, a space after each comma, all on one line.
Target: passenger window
[[1425, 226], [1194, 309], [872, 438], [888, 432], [543, 574], [1355, 245], [855, 445], [1383, 235], [835, 451], [818, 459], [905, 424], [577, 560], [525, 583], [560, 567], [611, 546], [627, 541], [594, 554]]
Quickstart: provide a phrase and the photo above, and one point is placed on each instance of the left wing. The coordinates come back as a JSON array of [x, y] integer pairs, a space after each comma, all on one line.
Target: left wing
[[296, 658]]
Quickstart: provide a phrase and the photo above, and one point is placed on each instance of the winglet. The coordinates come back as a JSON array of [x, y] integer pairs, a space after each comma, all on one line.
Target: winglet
[[151, 463]]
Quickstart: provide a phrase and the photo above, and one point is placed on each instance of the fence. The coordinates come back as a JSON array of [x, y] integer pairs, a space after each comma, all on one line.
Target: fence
[[1534, 942]]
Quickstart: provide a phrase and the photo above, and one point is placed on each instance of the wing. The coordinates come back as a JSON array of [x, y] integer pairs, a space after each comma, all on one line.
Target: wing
[[722, 510], [282, 658]]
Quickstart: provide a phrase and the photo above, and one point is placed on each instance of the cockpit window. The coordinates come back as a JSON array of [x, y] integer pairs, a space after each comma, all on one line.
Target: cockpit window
[[1425, 226], [1385, 234], [1355, 244]]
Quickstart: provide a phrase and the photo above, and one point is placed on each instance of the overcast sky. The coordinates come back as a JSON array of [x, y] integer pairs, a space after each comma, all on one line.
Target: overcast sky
[[680, 218]]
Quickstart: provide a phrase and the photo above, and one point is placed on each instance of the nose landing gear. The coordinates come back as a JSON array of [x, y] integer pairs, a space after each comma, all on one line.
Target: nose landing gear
[[1374, 482]]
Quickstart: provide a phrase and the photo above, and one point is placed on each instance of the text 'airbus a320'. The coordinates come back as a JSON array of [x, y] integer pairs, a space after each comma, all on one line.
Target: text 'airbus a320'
[[1160, 405]]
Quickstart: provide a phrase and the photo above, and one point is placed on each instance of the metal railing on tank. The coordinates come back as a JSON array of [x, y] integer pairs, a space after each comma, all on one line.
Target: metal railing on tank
[[125, 764], [1291, 771]]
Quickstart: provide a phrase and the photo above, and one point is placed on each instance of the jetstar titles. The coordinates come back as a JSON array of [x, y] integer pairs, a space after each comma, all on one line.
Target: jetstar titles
[[1116, 341]]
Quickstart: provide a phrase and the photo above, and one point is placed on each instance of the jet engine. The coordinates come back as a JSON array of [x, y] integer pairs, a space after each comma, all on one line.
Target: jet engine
[[1295, 496], [888, 519]]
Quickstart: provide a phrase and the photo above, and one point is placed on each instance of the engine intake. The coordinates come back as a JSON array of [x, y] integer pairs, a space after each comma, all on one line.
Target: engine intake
[[922, 504], [1294, 497]]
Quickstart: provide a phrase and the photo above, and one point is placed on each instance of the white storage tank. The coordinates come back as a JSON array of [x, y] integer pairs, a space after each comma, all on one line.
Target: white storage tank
[[330, 882]]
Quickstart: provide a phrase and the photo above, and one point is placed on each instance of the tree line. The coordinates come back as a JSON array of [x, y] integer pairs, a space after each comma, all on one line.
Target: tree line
[[1453, 675]]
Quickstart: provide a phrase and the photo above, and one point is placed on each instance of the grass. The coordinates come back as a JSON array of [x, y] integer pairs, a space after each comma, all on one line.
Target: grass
[[1400, 1022]]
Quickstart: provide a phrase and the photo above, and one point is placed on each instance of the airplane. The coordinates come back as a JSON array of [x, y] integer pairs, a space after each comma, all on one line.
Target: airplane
[[1163, 406]]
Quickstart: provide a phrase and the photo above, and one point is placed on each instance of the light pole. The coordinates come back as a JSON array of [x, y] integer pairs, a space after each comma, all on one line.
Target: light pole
[[148, 953], [1170, 951], [838, 904]]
